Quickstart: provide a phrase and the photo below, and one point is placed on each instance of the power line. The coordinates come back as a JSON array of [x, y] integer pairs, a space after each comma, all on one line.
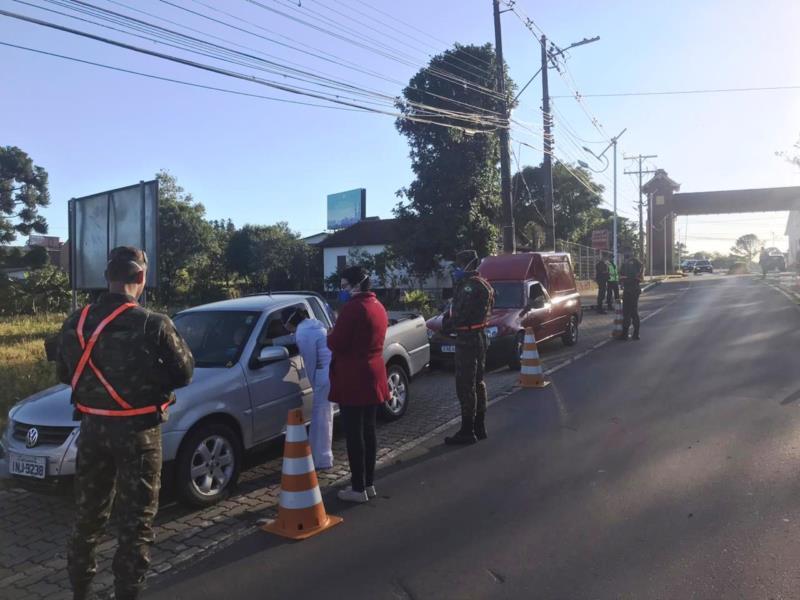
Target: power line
[[682, 92]]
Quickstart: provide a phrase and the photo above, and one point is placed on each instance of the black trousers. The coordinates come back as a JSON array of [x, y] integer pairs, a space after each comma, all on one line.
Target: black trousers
[[612, 293], [630, 311], [362, 444], [470, 366], [602, 285]]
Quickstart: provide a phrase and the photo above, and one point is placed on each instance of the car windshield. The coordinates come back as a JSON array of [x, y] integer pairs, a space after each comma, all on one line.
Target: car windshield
[[508, 294], [703, 263], [216, 338]]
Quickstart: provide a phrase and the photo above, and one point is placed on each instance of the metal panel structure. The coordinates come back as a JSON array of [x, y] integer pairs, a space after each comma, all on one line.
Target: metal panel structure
[[347, 208], [123, 217]]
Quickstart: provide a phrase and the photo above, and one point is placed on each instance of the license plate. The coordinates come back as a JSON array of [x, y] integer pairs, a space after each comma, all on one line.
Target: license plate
[[28, 466], [449, 349]]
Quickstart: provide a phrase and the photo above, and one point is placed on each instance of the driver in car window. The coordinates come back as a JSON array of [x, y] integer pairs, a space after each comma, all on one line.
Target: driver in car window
[[239, 337]]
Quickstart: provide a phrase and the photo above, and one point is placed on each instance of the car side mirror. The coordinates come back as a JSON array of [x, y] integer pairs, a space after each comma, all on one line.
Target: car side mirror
[[271, 354], [537, 302]]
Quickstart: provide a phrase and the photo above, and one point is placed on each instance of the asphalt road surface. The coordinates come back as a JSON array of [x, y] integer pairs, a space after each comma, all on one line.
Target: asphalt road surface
[[666, 468]]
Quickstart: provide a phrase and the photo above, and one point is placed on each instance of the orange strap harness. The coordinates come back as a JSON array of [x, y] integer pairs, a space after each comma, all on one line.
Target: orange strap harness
[[125, 409]]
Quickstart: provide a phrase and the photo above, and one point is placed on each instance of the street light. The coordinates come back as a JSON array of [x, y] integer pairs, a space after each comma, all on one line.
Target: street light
[[602, 156]]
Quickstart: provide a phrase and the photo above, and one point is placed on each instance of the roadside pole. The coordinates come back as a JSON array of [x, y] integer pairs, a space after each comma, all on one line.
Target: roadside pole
[[641, 172], [509, 241]]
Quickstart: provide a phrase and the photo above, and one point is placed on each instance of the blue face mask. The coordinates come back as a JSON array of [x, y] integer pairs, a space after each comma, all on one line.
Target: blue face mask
[[458, 274], [344, 296]]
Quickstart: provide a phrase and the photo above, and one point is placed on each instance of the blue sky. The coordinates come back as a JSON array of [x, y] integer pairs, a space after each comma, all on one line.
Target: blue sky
[[257, 161]]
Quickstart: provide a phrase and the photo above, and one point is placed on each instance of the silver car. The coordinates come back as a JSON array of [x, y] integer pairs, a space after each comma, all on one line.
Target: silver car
[[242, 389]]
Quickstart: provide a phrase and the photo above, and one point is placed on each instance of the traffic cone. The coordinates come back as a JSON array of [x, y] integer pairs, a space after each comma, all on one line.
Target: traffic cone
[[301, 512], [531, 374], [617, 331]]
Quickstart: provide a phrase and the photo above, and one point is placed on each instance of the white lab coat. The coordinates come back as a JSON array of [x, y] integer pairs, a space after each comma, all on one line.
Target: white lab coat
[[312, 341]]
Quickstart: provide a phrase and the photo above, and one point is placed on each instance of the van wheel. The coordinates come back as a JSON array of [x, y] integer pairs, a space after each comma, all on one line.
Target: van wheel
[[515, 360], [399, 393], [570, 338], [208, 464]]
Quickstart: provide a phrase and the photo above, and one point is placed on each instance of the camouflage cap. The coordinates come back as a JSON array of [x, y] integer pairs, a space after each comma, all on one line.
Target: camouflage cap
[[467, 257]]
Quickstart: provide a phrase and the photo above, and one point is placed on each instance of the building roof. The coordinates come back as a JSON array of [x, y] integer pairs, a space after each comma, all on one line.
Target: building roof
[[371, 232]]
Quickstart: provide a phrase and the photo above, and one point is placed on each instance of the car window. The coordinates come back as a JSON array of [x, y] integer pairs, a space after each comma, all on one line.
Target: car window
[[319, 312], [216, 338], [274, 333], [508, 294], [535, 291]]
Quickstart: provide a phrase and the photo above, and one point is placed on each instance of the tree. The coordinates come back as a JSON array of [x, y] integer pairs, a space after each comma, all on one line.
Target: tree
[[747, 247], [576, 208], [454, 201], [185, 238], [265, 256], [23, 190]]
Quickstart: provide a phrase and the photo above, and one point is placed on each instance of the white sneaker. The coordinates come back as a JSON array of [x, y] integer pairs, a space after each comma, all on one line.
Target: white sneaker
[[371, 493], [350, 495]]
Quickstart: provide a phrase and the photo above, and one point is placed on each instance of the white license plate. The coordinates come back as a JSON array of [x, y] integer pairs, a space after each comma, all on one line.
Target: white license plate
[[28, 466], [449, 349]]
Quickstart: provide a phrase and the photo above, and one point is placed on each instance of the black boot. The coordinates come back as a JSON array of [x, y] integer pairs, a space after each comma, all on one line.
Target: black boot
[[480, 426], [465, 435]]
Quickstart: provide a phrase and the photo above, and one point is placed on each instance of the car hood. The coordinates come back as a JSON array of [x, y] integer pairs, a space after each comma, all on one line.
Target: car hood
[[52, 407]]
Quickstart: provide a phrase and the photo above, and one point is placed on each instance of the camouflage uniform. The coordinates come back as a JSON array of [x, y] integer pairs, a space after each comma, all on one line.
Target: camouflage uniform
[[631, 290], [143, 358], [473, 301]]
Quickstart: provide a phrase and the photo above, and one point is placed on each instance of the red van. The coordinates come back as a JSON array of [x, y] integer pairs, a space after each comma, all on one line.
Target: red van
[[532, 289]]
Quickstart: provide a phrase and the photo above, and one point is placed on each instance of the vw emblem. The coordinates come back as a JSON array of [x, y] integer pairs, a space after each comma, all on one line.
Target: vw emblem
[[32, 438]]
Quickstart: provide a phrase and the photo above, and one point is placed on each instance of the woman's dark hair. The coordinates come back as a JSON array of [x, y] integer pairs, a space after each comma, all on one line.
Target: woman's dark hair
[[357, 276], [297, 316]]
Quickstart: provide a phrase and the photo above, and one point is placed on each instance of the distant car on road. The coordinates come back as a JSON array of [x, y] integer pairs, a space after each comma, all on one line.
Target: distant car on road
[[687, 266], [775, 260], [245, 381], [532, 289], [703, 266]]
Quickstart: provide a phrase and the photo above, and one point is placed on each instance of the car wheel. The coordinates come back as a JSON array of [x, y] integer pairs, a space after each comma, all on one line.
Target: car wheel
[[208, 464], [570, 337], [515, 360], [399, 393]]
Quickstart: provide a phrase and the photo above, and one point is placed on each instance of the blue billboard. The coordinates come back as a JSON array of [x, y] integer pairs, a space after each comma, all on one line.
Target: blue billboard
[[346, 208]]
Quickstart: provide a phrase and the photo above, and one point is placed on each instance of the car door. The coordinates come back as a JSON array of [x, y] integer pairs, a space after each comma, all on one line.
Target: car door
[[277, 387], [545, 318]]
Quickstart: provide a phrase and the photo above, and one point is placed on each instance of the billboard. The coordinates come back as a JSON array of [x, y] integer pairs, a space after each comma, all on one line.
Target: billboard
[[123, 217], [51, 242], [347, 208], [600, 239]]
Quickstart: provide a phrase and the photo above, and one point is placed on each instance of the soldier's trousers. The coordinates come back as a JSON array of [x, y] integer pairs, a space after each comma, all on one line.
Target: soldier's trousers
[[121, 466], [470, 366], [630, 311]]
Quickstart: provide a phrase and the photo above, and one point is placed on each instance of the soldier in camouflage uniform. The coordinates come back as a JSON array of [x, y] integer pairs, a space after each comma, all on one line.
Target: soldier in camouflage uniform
[[473, 299], [122, 362]]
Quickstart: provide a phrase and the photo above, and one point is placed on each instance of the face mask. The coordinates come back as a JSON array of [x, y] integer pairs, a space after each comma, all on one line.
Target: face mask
[[344, 296]]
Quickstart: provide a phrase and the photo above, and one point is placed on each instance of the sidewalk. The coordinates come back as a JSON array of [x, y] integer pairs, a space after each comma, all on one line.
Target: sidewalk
[[788, 283]]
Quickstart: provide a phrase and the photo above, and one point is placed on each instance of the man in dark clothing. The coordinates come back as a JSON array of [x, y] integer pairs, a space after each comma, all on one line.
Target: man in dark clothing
[[473, 300], [631, 290], [601, 277], [123, 363]]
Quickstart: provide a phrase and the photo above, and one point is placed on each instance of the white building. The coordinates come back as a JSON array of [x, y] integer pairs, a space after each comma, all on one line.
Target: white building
[[372, 236], [793, 233]]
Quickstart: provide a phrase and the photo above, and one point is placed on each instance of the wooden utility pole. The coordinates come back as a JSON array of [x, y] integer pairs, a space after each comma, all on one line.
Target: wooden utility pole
[[509, 234]]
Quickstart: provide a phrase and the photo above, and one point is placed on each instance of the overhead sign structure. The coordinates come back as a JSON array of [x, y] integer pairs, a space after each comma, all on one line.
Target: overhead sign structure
[[347, 208], [51, 242], [600, 239], [123, 217]]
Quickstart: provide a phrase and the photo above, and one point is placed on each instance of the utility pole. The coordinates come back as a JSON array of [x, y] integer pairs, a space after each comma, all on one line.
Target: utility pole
[[509, 241], [547, 163], [640, 158]]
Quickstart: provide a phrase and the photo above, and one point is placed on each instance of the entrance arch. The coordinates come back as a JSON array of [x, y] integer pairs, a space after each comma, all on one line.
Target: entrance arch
[[665, 204]]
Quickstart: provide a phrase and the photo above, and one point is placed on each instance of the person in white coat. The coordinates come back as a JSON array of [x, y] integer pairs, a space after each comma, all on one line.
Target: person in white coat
[[311, 338]]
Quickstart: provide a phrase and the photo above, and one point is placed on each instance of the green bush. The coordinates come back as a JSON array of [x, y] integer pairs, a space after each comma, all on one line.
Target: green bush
[[418, 301]]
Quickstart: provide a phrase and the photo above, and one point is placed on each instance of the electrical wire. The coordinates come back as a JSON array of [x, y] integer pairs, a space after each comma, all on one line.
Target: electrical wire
[[687, 92]]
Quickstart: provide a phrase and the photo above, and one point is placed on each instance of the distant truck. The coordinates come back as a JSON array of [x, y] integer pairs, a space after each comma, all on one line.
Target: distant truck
[[243, 387], [532, 289], [772, 259]]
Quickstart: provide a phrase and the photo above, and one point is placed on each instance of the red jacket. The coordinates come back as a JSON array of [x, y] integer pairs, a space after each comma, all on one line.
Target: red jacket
[[358, 373]]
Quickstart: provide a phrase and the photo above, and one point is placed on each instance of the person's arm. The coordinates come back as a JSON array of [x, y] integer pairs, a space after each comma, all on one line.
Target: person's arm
[[340, 339], [175, 359], [63, 371], [307, 344]]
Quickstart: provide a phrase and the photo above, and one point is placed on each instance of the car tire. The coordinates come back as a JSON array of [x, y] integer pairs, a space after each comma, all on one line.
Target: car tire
[[570, 337], [515, 360], [208, 464], [399, 393]]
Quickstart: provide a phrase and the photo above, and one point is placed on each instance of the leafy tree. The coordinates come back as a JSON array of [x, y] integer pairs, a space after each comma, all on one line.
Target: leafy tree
[[576, 208], [454, 201], [185, 237], [266, 256], [23, 190], [747, 247]]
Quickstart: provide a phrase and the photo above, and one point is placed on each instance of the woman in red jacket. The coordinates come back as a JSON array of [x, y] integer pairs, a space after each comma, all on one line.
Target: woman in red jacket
[[358, 377]]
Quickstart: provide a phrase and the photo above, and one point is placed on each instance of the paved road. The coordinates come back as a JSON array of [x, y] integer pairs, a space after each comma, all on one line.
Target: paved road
[[665, 468], [34, 527]]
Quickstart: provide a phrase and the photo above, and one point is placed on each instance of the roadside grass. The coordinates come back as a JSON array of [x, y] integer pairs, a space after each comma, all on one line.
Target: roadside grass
[[23, 366]]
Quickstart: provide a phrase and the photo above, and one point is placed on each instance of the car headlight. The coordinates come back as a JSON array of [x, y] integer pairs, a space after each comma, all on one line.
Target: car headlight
[[431, 333], [492, 332]]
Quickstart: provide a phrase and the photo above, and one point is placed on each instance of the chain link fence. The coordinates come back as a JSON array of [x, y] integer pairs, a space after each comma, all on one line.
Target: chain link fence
[[584, 259]]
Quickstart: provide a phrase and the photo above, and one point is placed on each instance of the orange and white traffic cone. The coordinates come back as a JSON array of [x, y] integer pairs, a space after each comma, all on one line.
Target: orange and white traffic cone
[[301, 512], [617, 331], [531, 374]]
